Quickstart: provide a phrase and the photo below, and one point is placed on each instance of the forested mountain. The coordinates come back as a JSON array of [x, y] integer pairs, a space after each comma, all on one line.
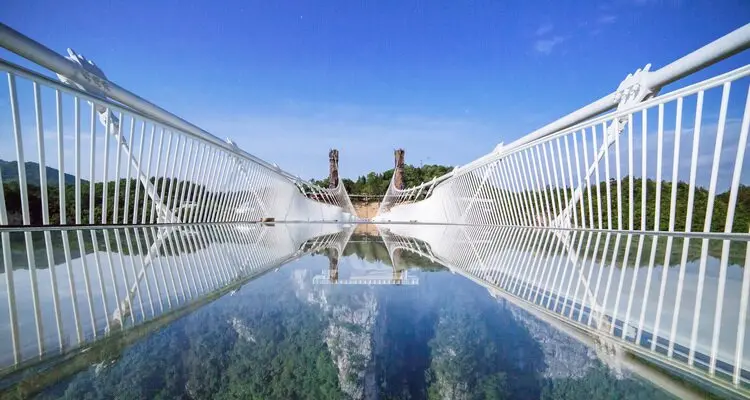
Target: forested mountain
[[281, 336], [9, 170], [260, 344], [531, 204], [375, 183]]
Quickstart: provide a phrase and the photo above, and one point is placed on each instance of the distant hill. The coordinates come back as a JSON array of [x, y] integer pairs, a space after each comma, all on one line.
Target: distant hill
[[10, 174], [377, 183]]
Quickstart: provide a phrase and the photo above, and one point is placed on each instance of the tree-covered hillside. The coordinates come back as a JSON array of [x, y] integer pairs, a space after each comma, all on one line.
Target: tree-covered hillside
[[375, 183], [9, 170], [531, 203]]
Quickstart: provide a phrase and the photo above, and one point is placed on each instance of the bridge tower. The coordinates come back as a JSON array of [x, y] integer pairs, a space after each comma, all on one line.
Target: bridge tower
[[398, 171], [333, 168], [333, 265], [398, 265]]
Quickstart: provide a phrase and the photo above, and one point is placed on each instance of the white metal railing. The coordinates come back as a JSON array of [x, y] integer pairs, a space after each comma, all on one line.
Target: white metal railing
[[672, 162], [122, 160], [115, 279], [645, 294]]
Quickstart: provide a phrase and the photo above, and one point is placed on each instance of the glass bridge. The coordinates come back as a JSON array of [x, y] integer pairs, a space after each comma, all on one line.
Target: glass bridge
[[604, 253]]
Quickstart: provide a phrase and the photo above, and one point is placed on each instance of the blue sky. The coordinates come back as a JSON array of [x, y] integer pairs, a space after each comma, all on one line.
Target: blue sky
[[445, 80]]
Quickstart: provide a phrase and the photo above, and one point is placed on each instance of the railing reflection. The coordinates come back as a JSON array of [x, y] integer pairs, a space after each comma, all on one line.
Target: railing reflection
[[101, 284], [78, 297], [369, 273], [679, 301]]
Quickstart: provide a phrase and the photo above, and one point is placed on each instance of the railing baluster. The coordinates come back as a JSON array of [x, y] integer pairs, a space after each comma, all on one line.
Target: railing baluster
[[160, 179], [136, 201], [9, 281], [149, 192], [607, 182], [107, 133], [707, 227], [180, 180], [229, 198], [126, 208], [26, 217], [672, 213], [559, 182], [142, 274], [92, 165], [185, 199], [118, 164], [217, 193], [203, 186], [87, 283], [43, 184], [741, 326], [742, 143], [544, 187]]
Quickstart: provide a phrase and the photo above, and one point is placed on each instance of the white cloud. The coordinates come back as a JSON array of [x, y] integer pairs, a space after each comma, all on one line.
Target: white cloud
[[299, 140], [543, 29], [545, 46], [606, 19], [50, 134], [298, 136]]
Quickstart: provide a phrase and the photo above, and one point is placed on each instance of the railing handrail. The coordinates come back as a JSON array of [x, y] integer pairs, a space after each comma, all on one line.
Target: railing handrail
[[31, 50], [720, 49]]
